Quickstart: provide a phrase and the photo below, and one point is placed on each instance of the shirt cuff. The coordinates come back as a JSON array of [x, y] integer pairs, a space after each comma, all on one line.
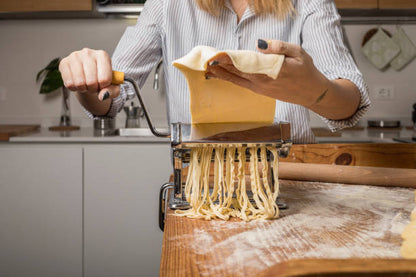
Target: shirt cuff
[[116, 104], [335, 125]]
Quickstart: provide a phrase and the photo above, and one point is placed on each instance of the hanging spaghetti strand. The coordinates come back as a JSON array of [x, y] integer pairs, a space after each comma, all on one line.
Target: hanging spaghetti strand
[[228, 197]]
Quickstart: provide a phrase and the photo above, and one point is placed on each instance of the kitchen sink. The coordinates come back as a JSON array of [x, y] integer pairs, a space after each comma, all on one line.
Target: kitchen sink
[[137, 132]]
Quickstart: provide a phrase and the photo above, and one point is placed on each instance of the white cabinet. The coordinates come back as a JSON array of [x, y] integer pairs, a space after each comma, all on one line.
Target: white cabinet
[[81, 209], [40, 211], [121, 190]]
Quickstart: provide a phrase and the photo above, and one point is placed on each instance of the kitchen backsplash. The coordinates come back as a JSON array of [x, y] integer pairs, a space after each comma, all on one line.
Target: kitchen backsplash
[[28, 45], [402, 82]]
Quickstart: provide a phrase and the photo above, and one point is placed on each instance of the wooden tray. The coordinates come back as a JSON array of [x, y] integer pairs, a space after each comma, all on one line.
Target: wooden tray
[[324, 221], [7, 131]]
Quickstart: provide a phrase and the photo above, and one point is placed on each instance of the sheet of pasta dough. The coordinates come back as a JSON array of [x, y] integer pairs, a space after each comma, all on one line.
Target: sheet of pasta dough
[[216, 101]]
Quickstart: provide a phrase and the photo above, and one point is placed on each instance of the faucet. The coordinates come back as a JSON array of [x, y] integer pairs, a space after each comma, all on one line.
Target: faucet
[[156, 78]]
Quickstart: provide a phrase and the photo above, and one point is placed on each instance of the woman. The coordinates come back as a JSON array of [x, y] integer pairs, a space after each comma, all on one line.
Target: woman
[[318, 73]]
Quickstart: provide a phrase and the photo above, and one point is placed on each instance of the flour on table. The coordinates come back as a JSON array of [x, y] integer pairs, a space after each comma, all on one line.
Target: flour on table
[[321, 222]]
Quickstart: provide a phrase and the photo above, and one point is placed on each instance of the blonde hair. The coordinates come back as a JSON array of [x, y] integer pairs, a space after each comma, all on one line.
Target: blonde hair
[[280, 8]]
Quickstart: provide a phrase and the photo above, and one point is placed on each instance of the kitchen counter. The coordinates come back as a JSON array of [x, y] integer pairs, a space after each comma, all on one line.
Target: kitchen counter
[[324, 220], [366, 135], [323, 135], [84, 135]]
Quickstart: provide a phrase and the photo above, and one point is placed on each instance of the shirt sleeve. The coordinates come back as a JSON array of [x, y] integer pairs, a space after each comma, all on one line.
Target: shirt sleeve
[[322, 39], [138, 51]]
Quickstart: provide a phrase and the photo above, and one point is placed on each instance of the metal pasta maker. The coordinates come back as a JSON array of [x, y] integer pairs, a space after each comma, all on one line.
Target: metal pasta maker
[[186, 136]]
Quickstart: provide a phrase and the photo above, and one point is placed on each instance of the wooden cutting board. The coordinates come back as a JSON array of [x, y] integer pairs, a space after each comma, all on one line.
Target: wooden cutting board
[[324, 221], [7, 131]]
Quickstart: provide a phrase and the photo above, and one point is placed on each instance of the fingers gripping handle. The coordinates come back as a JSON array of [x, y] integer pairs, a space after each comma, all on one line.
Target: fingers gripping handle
[[118, 79]]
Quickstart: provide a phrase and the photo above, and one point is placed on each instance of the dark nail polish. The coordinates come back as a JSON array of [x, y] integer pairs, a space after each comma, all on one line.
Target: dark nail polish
[[262, 44], [106, 95], [213, 63]]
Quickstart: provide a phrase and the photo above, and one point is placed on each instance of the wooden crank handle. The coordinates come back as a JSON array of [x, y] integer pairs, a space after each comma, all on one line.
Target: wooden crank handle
[[118, 78]]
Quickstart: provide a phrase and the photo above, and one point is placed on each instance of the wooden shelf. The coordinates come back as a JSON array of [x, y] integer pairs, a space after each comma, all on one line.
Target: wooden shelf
[[45, 5], [378, 5], [397, 4], [354, 4]]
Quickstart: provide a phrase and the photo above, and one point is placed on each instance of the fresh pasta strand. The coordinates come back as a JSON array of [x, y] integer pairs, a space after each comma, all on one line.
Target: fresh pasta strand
[[275, 168], [273, 210], [228, 197]]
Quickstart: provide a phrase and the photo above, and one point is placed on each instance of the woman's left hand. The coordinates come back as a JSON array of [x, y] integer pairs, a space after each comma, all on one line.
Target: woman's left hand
[[298, 82]]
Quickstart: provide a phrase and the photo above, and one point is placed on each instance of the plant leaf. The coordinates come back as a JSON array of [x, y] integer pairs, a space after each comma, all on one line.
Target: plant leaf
[[40, 75], [52, 65], [52, 81]]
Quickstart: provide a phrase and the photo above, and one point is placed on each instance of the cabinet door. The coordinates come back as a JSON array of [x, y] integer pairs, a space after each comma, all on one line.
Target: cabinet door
[[122, 182], [356, 4], [40, 211], [397, 4], [45, 5]]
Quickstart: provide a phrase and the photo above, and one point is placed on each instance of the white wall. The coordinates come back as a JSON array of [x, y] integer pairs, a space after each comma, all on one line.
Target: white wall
[[28, 45], [404, 81]]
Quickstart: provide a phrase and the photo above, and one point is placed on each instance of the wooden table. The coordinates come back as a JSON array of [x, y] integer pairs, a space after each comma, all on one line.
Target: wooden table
[[324, 220]]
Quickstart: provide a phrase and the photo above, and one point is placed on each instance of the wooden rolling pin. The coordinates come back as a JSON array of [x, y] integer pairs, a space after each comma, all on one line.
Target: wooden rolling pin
[[361, 175], [345, 174]]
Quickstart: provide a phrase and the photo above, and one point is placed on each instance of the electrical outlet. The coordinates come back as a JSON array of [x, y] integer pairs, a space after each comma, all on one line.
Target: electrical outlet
[[3, 94], [384, 92]]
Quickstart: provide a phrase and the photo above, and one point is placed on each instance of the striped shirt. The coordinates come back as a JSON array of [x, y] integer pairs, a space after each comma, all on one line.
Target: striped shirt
[[169, 29]]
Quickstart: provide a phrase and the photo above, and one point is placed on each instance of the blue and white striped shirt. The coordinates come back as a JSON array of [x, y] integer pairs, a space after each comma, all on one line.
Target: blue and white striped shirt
[[169, 29]]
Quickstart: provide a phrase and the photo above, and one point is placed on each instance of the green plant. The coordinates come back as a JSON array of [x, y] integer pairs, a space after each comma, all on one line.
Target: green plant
[[52, 79]]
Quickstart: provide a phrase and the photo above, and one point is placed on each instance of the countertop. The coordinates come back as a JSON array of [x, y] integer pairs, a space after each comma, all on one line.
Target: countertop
[[89, 135], [368, 135], [85, 135]]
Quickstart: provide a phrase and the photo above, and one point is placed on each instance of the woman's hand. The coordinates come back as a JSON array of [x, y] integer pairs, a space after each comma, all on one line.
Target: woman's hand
[[298, 82], [89, 73]]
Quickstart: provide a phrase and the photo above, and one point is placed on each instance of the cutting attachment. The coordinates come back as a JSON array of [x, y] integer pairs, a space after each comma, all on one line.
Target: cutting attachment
[[185, 136]]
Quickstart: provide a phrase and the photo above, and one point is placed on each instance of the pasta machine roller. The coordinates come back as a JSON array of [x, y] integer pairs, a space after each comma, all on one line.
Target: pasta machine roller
[[186, 136]]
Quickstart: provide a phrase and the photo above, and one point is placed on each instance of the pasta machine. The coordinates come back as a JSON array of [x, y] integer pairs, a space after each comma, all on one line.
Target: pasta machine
[[186, 136]]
